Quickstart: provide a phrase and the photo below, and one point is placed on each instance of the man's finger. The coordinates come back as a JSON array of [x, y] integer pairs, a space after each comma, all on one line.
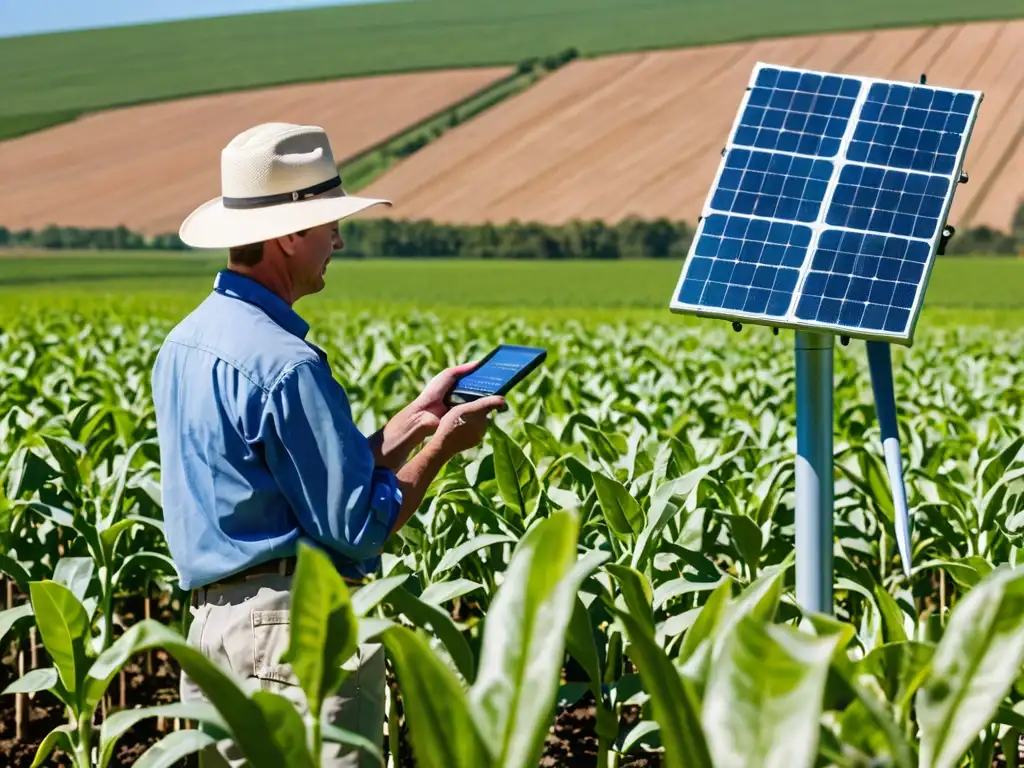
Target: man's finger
[[458, 370], [483, 405]]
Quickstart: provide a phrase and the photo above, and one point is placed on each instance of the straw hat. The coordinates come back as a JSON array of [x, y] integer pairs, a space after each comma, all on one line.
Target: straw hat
[[276, 178]]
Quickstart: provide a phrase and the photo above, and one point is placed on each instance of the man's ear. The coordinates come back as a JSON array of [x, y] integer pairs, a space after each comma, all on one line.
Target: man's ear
[[289, 243]]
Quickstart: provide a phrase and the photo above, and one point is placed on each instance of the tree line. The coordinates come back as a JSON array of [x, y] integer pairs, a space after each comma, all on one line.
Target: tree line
[[632, 238]]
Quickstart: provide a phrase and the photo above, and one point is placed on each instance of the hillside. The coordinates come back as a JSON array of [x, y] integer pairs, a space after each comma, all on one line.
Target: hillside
[[639, 134], [48, 78], [146, 167]]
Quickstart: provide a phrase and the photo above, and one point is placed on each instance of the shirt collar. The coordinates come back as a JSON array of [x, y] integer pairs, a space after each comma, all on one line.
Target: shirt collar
[[239, 286]]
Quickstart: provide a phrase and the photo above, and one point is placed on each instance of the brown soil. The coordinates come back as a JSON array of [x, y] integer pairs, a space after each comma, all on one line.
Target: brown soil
[[571, 742], [146, 167], [639, 134]]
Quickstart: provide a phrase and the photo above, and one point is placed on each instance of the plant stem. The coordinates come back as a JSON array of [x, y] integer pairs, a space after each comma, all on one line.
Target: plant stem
[[19, 701], [83, 750], [942, 597], [108, 614], [317, 740], [394, 727]]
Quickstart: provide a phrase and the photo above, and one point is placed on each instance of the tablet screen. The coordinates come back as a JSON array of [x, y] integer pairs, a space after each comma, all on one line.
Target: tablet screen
[[499, 370]]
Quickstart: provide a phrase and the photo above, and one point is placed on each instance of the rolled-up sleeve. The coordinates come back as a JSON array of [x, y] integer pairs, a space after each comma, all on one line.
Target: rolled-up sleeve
[[324, 466]]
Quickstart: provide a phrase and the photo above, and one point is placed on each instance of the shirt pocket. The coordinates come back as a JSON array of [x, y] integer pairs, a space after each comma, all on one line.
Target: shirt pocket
[[270, 635]]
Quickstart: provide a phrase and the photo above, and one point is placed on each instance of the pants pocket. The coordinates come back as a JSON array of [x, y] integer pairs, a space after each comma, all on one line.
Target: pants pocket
[[270, 634]]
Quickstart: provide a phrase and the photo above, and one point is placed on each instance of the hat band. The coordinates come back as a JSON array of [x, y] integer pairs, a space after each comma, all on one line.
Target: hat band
[[283, 197]]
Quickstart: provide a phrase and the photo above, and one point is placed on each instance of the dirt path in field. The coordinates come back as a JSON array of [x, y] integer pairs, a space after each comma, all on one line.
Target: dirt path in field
[[639, 134], [146, 167]]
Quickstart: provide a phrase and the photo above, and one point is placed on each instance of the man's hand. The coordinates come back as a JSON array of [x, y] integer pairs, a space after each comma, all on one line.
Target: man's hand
[[465, 426], [459, 429], [417, 421]]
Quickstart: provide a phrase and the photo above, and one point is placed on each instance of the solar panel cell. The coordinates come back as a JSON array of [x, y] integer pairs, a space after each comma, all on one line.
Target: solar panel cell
[[746, 264], [852, 272], [804, 113], [890, 201], [772, 185], [918, 129]]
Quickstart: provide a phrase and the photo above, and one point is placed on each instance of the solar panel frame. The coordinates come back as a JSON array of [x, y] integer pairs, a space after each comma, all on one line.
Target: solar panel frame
[[819, 226]]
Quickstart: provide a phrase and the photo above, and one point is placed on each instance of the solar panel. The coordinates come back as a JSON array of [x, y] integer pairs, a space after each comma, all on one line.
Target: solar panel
[[829, 203]]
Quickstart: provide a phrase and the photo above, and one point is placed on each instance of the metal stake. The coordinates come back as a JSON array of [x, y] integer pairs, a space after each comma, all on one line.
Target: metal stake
[[814, 481]]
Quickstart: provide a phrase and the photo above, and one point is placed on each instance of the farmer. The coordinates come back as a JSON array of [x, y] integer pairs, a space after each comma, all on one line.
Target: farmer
[[257, 443]]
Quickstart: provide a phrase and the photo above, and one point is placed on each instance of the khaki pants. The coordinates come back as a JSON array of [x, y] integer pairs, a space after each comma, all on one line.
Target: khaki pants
[[244, 628]]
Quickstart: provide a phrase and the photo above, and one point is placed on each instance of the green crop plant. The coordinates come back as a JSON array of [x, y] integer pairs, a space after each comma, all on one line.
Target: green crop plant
[[635, 503]]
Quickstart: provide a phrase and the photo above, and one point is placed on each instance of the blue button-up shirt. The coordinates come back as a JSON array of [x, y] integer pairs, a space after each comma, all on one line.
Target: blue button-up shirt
[[257, 444]]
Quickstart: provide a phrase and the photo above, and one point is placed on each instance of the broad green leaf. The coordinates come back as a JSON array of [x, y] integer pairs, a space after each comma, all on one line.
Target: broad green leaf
[[66, 459], [243, 716], [637, 593], [58, 738], [764, 696], [335, 735], [682, 586], [973, 667], [759, 600], [513, 696], [662, 510], [27, 474], [75, 573], [607, 446], [991, 470], [866, 724], [369, 628], [454, 557], [892, 616], [118, 723], [64, 628], [443, 591], [515, 474], [110, 537], [621, 510], [284, 721], [153, 564], [747, 538], [323, 627], [438, 621], [710, 615], [673, 702], [639, 735], [36, 680], [580, 644], [12, 617], [435, 706], [899, 667], [176, 745], [543, 442], [16, 571], [369, 596]]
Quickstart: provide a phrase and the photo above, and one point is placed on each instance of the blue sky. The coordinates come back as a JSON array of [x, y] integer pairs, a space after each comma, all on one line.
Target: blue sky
[[28, 17]]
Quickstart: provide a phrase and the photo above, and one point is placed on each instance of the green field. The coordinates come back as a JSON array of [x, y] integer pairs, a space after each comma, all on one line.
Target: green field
[[92, 69], [974, 290]]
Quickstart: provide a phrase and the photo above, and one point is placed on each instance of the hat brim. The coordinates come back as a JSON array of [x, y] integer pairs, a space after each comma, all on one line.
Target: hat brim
[[211, 225]]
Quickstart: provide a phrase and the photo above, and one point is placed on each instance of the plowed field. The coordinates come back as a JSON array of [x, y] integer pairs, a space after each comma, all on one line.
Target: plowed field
[[641, 133], [146, 167]]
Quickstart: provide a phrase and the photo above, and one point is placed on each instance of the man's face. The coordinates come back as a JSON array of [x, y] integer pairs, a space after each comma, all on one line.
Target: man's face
[[310, 256]]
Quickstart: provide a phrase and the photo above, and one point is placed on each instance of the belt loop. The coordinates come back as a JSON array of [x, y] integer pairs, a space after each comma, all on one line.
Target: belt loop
[[282, 566]]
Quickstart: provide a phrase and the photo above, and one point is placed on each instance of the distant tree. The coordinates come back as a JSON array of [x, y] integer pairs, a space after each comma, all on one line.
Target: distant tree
[[981, 241], [1017, 229]]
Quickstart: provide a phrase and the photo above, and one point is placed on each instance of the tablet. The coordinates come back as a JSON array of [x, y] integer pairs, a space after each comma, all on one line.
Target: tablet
[[503, 368]]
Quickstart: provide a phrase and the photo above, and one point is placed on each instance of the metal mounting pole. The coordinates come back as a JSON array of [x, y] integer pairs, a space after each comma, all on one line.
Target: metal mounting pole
[[814, 483]]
